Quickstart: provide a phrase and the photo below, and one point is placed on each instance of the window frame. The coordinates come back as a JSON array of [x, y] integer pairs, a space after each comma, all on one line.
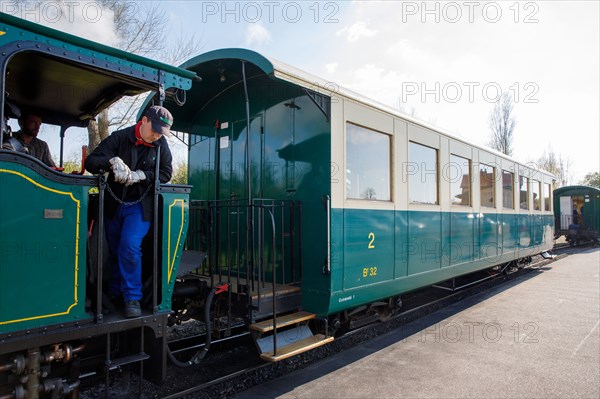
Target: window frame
[[493, 206], [512, 189], [538, 184], [549, 197], [390, 141], [437, 176], [470, 181], [527, 195]]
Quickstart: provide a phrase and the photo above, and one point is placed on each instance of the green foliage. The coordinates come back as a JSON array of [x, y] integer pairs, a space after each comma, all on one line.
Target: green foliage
[[592, 179]]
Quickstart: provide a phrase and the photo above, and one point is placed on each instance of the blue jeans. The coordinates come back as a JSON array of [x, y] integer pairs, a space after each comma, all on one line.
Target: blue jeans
[[124, 233]]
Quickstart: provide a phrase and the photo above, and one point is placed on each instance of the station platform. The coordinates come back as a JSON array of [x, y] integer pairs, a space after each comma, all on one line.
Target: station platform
[[536, 336]]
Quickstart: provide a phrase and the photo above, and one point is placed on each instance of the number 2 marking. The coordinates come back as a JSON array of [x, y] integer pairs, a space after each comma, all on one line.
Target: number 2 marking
[[372, 238]]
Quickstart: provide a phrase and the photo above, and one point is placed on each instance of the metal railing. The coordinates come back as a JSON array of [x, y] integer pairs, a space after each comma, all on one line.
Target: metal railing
[[251, 243]]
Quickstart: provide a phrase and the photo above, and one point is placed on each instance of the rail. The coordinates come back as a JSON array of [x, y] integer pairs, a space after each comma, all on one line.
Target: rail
[[244, 238]]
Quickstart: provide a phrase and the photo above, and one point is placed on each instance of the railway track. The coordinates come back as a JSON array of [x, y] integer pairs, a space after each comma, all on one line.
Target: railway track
[[236, 367]]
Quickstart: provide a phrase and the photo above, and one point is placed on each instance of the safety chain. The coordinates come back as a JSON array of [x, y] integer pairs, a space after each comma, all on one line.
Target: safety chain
[[120, 201]]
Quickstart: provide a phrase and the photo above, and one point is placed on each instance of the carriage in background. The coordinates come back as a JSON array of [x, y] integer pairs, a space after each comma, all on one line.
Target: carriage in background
[[577, 214]]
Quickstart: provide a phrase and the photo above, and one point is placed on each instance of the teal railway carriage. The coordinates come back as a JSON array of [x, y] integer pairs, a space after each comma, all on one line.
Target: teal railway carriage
[[336, 205], [577, 213], [51, 307]]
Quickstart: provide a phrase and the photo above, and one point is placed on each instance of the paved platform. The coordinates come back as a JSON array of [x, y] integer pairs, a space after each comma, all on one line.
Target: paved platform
[[534, 337]]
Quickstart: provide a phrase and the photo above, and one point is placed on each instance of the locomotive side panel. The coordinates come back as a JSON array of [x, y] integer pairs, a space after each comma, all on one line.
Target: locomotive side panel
[[43, 236]]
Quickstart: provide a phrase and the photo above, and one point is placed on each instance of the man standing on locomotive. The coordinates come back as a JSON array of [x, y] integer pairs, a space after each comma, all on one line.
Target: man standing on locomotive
[[130, 156]]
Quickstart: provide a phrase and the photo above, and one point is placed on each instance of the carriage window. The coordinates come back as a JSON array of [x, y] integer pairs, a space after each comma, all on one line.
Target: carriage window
[[508, 198], [535, 187], [547, 197], [367, 164], [487, 179], [422, 170], [524, 192], [459, 175]]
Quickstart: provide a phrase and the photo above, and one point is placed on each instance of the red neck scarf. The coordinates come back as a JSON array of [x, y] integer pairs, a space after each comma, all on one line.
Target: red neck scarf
[[138, 136]]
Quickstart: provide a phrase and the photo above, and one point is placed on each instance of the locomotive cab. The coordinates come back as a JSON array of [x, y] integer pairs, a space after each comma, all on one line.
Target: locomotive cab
[[51, 222]]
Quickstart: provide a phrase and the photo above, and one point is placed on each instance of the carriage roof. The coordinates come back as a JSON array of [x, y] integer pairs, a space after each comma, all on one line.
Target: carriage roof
[[226, 61]]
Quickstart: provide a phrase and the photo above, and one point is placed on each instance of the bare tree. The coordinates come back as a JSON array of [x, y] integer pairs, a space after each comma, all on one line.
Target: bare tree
[[403, 107], [502, 123], [142, 30], [557, 165]]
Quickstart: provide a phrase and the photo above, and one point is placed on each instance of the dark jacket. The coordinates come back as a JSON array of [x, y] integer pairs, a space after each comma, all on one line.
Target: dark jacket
[[36, 148], [121, 144]]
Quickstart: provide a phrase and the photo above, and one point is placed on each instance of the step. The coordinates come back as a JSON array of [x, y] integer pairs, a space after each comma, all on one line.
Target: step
[[282, 321], [266, 291], [122, 361], [296, 348]]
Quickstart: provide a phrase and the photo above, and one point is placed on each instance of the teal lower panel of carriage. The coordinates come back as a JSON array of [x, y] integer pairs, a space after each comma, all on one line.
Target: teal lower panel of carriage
[[43, 233], [386, 253]]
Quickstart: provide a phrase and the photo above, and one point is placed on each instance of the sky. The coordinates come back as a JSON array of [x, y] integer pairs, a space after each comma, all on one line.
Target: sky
[[444, 62]]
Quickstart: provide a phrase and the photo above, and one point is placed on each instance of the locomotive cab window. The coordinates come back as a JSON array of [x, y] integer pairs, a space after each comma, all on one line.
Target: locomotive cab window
[[459, 175], [487, 180], [368, 164], [508, 199], [422, 174], [524, 192]]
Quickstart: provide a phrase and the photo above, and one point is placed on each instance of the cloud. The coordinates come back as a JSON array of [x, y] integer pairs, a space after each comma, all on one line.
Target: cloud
[[357, 31], [331, 67], [257, 34], [86, 19]]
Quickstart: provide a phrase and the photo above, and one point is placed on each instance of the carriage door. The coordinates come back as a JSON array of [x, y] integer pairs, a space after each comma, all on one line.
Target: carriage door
[[230, 159], [566, 213]]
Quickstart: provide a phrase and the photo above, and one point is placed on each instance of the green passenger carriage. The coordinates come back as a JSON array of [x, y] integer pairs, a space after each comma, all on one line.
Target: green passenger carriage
[[364, 203]]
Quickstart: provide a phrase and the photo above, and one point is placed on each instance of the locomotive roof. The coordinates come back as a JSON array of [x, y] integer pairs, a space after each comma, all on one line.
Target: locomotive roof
[[226, 61], [47, 65]]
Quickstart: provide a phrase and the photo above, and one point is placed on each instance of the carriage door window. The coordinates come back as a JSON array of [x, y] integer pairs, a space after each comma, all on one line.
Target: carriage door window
[[508, 198], [536, 195], [368, 164], [524, 192], [459, 175], [487, 179], [422, 174], [546, 197]]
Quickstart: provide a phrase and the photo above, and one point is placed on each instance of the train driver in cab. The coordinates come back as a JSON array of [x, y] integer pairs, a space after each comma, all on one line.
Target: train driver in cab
[[130, 156], [26, 141]]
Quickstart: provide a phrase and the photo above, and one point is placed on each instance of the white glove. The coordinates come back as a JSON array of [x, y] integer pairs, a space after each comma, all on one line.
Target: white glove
[[120, 170], [135, 176]]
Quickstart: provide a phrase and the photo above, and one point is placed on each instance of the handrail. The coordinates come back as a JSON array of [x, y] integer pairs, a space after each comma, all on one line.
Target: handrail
[[155, 233], [100, 249], [327, 268]]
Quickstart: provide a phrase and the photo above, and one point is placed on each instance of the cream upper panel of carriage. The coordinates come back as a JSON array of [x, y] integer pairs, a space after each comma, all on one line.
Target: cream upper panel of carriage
[[415, 164]]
